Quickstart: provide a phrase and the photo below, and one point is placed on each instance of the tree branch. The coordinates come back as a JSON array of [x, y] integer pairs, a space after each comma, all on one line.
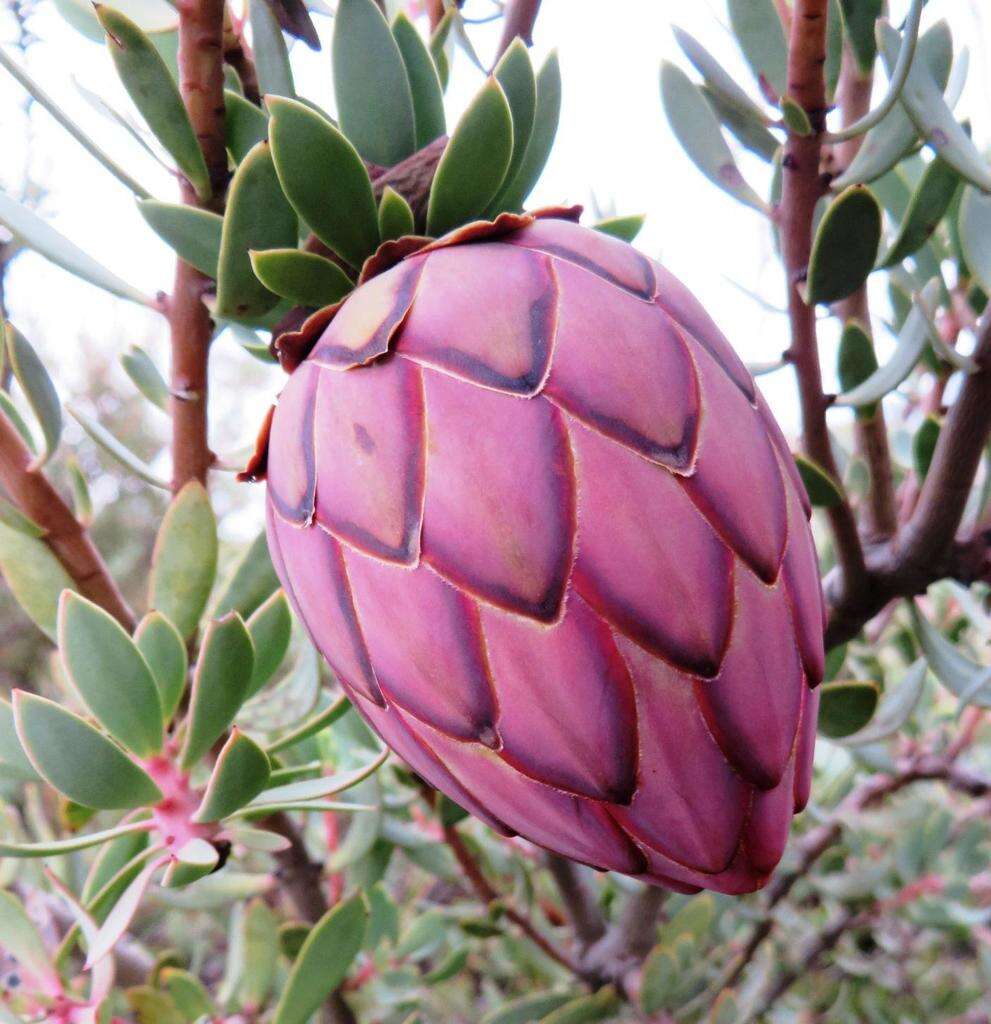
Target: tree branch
[[926, 549], [579, 901], [803, 186], [30, 490], [201, 81], [518, 20]]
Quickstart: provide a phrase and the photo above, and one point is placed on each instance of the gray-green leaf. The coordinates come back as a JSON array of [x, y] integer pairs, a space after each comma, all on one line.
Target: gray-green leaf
[[38, 389], [110, 674], [474, 163], [193, 234], [240, 774], [424, 83], [258, 216], [164, 651], [77, 760], [696, 128], [367, 63], [184, 561], [150, 84], [220, 683], [325, 179], [845, 246], [305, 278]]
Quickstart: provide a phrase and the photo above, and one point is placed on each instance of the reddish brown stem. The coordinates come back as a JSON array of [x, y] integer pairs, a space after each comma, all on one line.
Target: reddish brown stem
[[853, 96], [519, 19], [201, 81], [487, 894], [803, 186], [32, 493]]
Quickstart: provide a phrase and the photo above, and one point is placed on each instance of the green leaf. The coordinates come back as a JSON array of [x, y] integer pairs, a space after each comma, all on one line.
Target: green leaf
[[187, 991], [514, 73], [271, 628], [834, 47], [961, 676], [184, 562], [119, 919], [586, 1009], [316, 789], [912, 341], [258, 216], [193, 234], [424, 83], [746, 129], [333, 943], [719, 81], [40, 236], [822, 489], [117, 858], [304, 278], [258, 953], [515, 189], [627, 228], [194, 860], [12, 516], [220, 683], [894, 709], [395, 216], [758, 31], [845, 246], [859, 18], [313, 725], [252, 581], [8, 409], [885, 145], [116, 449], [111, 675], [239, 775], [77, 760], [438, 42], [245, 125], [924, 445], [696, 128], [324, 178], [923, 101], [927, 207], [856, 361], [14, 763], [35, 576], [374, 101], [474, 163], [145, 376], [846, 706], [292, 935], [974, 224], [58, 847], [46, 101], [528, 1008], [452, 965], [31, 375], [81, 500], [20, 938], [270, 52], [795, 118], [153, 90]]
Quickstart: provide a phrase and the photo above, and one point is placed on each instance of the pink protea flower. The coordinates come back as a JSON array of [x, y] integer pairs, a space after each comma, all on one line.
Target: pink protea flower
[[531, 508]]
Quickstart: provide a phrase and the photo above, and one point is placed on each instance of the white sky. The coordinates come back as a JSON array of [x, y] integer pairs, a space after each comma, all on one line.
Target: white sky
[[613, 143]]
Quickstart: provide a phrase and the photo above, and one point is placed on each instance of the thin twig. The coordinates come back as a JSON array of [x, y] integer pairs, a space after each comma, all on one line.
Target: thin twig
[[488, 894]]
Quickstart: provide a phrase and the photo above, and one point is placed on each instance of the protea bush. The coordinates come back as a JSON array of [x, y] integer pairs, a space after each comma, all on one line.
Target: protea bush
[[530, 507]]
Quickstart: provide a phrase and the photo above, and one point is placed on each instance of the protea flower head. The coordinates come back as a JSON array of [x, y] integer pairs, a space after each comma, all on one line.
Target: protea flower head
[[532, 510]]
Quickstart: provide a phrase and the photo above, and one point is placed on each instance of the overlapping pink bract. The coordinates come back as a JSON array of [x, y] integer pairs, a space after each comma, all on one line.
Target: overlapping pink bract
[[531, 508]]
